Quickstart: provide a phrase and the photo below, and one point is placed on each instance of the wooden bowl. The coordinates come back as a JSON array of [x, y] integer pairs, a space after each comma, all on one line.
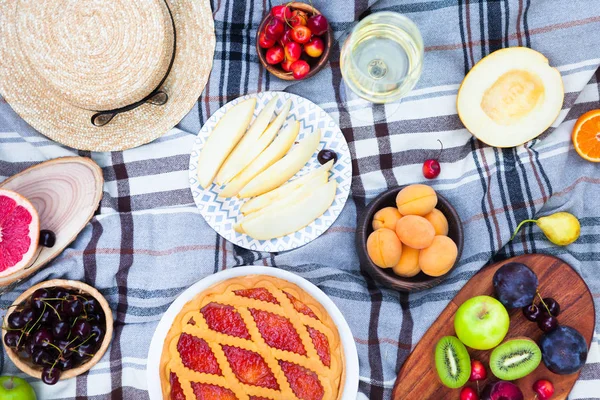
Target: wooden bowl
[[387, 277], [32, 370], [316, 64]]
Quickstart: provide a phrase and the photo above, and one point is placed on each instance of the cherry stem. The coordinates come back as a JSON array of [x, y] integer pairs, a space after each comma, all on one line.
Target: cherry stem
[[38, 320], [22, 333], [543, 302], [53, 345], [441, 149], [89, 337], [51, 298], [520, 225], [55, 311], [6, 328]]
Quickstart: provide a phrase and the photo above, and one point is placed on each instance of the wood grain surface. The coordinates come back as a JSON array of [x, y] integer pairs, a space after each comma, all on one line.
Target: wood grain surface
[[418, 378]]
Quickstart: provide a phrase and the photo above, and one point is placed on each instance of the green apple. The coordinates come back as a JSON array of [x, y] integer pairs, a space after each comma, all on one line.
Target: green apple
[[13, 388], [481, 322]]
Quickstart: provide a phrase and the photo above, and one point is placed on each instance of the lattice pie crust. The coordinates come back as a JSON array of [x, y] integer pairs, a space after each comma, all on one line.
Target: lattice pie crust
[[321, 363]]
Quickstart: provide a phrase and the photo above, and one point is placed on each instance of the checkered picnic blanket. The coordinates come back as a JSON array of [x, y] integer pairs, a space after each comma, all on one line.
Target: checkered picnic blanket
[[148, 241]]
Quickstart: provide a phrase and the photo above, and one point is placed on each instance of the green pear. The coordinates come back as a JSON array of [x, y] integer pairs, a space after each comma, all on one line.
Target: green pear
[[561, 228]]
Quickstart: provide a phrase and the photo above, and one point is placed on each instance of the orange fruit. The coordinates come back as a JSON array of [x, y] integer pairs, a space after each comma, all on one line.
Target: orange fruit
[[586, 136]]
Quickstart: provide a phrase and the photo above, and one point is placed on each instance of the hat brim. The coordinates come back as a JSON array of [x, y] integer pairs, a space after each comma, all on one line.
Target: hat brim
[[65, 123]]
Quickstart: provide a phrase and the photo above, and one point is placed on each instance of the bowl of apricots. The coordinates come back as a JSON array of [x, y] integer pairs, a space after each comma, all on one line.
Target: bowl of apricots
[[409, 238]]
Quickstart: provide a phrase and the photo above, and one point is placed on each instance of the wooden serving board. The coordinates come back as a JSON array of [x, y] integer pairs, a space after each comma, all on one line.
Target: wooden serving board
[[418, 378]]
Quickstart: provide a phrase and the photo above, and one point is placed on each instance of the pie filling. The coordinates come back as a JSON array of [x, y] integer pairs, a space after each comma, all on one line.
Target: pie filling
[[260, 342]]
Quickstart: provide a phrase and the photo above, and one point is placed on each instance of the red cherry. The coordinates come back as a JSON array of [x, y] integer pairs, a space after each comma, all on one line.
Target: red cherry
[[293, 51], [314, 47], [478, 371], [275, 29], [287, 36], [431, 167], [301, 34], [275, 55], [468, 393], [544, 389], [286, 65], [282, 12], [264, 41], [299, 17], [300, 69], [317, 24]]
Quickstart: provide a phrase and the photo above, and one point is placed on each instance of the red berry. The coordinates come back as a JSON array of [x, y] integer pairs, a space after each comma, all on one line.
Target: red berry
[[431, 169], [286, 65], [282, 12], [275, 29], [300, 69], [299, 17], [275, 55], [293, 51], [314, 47], [544, 389], [468, 393], [301, 34], [478, 371], [317, 24], [264, 41], [287, 36]]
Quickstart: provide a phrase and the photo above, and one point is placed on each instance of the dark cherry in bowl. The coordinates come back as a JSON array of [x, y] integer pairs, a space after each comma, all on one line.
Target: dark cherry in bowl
[[316, 64], [387, 277]]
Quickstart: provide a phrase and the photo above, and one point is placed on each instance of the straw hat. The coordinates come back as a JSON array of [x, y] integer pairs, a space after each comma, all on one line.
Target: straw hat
[[104, 74]]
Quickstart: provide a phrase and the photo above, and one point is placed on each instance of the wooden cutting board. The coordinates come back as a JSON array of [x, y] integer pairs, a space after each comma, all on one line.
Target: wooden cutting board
[[418, 377]]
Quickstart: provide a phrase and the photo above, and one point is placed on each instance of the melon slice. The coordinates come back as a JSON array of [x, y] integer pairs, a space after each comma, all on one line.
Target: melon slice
[[510, 97], [320, 174], [19, 232], [223, 138], [291, 217]]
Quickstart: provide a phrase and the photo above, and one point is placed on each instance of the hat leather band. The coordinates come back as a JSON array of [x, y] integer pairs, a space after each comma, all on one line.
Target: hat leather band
[[157, 97]]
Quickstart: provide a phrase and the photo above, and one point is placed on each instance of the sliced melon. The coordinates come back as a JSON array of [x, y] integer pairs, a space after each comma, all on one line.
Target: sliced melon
[[291, 217], [278, 173], [223, 138], [268, 157], [510, 97], [320, 174], [292, 198], [230, 167]]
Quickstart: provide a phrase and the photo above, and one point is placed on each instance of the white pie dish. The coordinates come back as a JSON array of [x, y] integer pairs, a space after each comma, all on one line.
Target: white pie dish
[[350, 387]]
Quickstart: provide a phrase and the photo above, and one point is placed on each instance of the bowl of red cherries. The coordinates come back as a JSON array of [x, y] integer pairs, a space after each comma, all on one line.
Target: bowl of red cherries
[[293, 41], [57, 329]]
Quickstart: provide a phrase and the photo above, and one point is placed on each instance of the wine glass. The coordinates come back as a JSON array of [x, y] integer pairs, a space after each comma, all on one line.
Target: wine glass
[[381, 61]]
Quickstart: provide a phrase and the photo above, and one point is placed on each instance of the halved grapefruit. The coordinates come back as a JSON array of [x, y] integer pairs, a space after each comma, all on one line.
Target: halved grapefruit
[[19, 232]]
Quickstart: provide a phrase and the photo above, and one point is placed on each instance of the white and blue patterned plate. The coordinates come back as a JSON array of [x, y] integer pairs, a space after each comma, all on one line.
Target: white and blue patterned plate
[[223, 213]]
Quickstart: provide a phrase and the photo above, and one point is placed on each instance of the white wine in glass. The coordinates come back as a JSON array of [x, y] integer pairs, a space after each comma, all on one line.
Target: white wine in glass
[[382, 58]]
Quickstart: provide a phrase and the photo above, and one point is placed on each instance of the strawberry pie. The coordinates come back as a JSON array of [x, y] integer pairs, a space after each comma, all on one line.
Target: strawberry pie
[[254, 337]]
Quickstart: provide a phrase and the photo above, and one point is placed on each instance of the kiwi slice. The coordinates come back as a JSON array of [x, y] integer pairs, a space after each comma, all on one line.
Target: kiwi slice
[[515, 359], [452, 362]]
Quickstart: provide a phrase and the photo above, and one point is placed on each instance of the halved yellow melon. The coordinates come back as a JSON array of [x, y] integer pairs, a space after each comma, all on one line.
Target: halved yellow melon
[[510, 97]]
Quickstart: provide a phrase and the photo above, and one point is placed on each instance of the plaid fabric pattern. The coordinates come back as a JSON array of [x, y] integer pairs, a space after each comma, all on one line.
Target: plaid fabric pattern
[[148, 242]]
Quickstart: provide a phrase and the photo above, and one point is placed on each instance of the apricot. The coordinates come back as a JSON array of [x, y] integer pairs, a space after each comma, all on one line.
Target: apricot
[[439, 222], [384, 248], [438, 258], [386, 218], [416, 200], [408, 265], [415, 231]]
